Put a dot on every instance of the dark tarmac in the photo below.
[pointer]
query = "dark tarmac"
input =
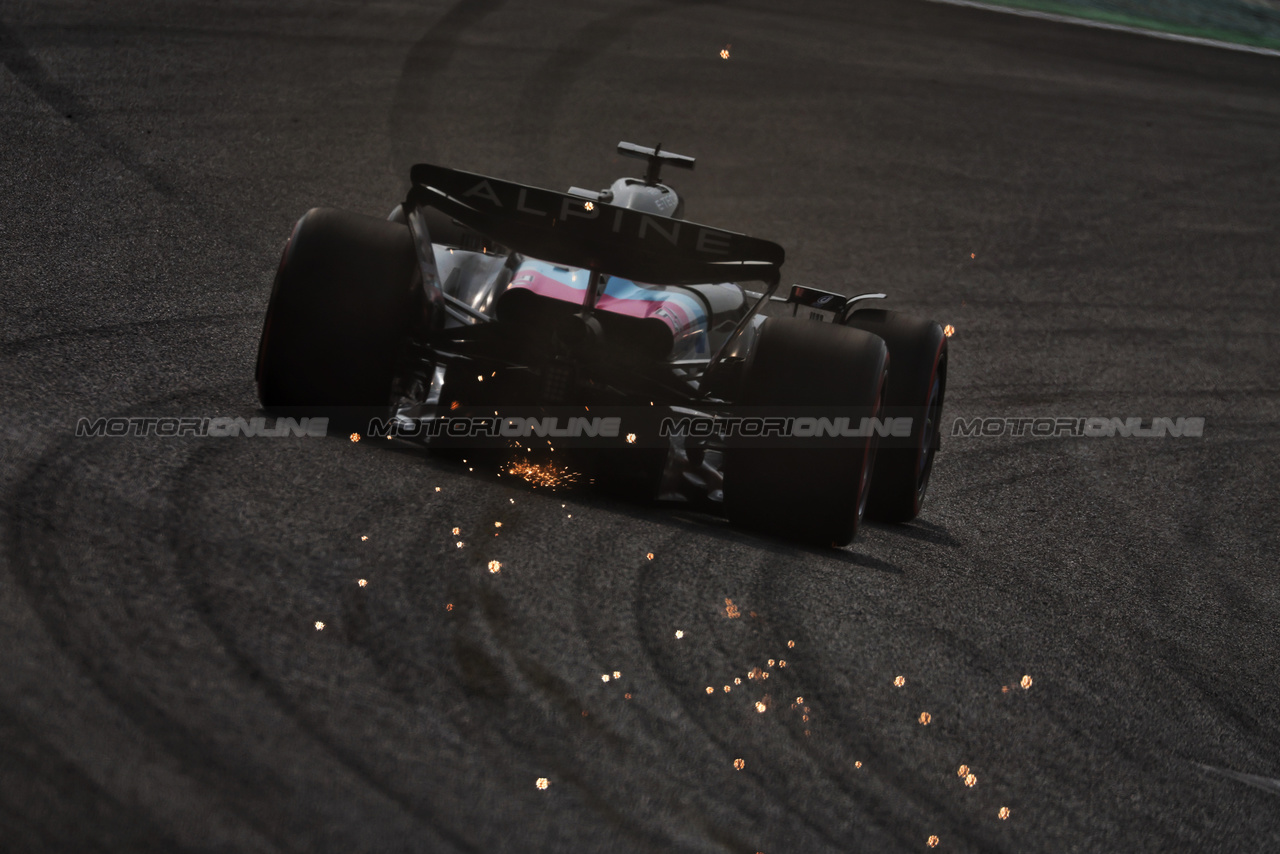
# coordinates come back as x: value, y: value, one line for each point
x: 1096, y: 214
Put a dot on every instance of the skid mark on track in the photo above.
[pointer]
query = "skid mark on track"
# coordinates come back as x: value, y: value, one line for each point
x: 63, y: 100
x: 68, y: 337
x: 92, y: 818
x: 183, y: 519
x: 547, y: 87
x: 41, y: 503
x: 411, y: 108
x: 1266, y: 784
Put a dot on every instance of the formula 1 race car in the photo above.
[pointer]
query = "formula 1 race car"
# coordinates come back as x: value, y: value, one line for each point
x: 603, y: 328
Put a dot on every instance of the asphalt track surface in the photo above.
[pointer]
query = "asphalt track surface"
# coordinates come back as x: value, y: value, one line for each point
x: 1096, y: 213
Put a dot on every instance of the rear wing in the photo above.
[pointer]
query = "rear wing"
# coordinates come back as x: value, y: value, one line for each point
x: 603, y: 238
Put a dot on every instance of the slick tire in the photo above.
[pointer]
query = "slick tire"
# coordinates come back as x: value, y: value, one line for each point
x: 917, y: 386
x: 340, y: 308
x: 813, y: 491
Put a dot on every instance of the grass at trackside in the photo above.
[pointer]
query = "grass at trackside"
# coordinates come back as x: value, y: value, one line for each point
x: 1096, y: 12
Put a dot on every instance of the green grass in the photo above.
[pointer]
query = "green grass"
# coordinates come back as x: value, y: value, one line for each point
x: 1098, y: 11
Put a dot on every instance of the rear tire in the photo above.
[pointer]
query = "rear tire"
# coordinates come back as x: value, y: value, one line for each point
x: 917, y: 386
x: 340, y: 308
x: 814, y: 493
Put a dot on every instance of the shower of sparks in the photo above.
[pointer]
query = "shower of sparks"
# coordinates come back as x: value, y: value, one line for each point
x: 948, y: 330
x: 932, y: 842
x: 970, y: 780
x: 1026, y: 682
x: 355, y: 437
x: 542, y: 783
x: 495, y: 567
x: 364, y: 582
x: 899, y: 681
x: 761, y: 707
x: 724, y: 51
x: 679, y: 634
x: 731, y: 610
x: 739, y: 764
x: 319, y: 626
x: 542, y: 474
x: 962, y: 771
x: 925, y: 718
x: 1003, y: 815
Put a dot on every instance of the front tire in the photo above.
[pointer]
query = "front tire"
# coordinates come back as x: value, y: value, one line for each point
x: 340, y: 308
x: 817, y: 492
